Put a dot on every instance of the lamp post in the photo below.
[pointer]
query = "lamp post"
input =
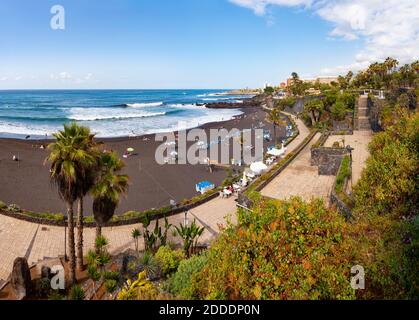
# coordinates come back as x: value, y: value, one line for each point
x: 186, y: 220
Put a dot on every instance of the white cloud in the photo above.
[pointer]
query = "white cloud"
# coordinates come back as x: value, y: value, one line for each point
x: 387, y: 28
x: 259, y: 6
x: 64, y: 76
x: 88, y: 76
x: 67, y: 77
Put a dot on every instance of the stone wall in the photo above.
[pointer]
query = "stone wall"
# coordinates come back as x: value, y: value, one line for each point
x: 327, y: 159
x: 340, y: 205
x: 344, y: 125
x: 336, y: 200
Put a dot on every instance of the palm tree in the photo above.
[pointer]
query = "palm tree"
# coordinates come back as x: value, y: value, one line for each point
x: 86, y: 183
x: 314, y: 108
x: 136, y: 234
x: 108, y: 189
x: 274, y: 116
x: 70, y: 164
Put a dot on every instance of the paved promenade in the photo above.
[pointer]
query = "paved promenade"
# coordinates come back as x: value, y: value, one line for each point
x: 359, y: 141
x: 300, y: 179
x: 36, y: 242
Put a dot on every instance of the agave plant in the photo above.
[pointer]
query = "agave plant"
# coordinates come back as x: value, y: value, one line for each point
x: 190, y: 236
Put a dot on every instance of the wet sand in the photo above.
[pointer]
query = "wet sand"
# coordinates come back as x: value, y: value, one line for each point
x: 27, y: 183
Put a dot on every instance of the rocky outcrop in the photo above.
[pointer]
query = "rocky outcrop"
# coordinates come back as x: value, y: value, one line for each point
x: 255, y: 102
x: 21, y: 278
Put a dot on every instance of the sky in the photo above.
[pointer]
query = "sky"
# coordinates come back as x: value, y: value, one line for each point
x: 188, y: 44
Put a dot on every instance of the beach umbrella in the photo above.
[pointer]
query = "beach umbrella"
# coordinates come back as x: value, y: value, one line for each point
x: 276, y: 152
x: 130, y: 150
x: 258, y: 167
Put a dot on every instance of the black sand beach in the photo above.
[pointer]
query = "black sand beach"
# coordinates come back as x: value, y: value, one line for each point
x: 26, y: 183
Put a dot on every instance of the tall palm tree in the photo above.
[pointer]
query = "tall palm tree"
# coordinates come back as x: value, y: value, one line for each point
x: 108, y: 189
x: 86, y: 182
x: 70, y: 164
x: 274, y: 116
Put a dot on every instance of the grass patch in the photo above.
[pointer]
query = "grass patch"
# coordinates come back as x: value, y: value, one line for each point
x: 344, y: 173
x: 46, y: 216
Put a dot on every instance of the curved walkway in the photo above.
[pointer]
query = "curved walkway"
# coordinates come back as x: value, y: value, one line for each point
x: 37, y: 242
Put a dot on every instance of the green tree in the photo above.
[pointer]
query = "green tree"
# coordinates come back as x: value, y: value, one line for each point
x: 314, y: 107
x: 274, y: 117
x: 136, y: 234
x: 403, y: 101
x: 269, y: 90
x: 71, y: 163
x: 86, y: 183
x: 109, y: 188
x: 339, y: 110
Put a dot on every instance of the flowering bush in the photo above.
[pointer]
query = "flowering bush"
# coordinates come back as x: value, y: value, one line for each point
x: 281, y: 250
x: 168, y: 259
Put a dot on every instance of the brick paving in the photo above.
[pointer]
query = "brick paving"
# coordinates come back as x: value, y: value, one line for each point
x: 19, y: 238
x: 359, y: 141
x: 300, y: 179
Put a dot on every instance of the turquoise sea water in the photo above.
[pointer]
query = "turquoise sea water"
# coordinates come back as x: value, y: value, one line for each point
x: 109, y: 113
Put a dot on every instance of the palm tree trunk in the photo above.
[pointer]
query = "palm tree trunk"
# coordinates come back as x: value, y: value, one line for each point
x: 80, y: 264
x: 98, y: 234
x: 275, y: 137
x: 71, y: 244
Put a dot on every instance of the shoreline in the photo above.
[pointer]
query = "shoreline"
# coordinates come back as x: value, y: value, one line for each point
x: 152, y: 186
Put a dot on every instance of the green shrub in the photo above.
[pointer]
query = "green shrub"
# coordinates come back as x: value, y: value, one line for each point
x: 185, y: 282
x: 56, y: 296
x: 168, y: 259
x: 111, y: 285
x: 42, y: 287
x: 77, y: 293
x: 46, y: 216
x: 338, y: 110
x: 282, y: 250
x: 344, y: 173
x: 14, y: 208
x: 386, y: 212
x: 110, y: 275
x: 2, y: 205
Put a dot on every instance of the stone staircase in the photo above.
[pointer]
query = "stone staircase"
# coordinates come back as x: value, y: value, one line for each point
x: 363, y: 119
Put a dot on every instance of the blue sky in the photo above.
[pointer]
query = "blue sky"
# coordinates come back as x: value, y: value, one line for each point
x: 168, y: 44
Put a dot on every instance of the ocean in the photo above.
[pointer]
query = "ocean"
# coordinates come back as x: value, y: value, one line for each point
x: 36, y: 114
